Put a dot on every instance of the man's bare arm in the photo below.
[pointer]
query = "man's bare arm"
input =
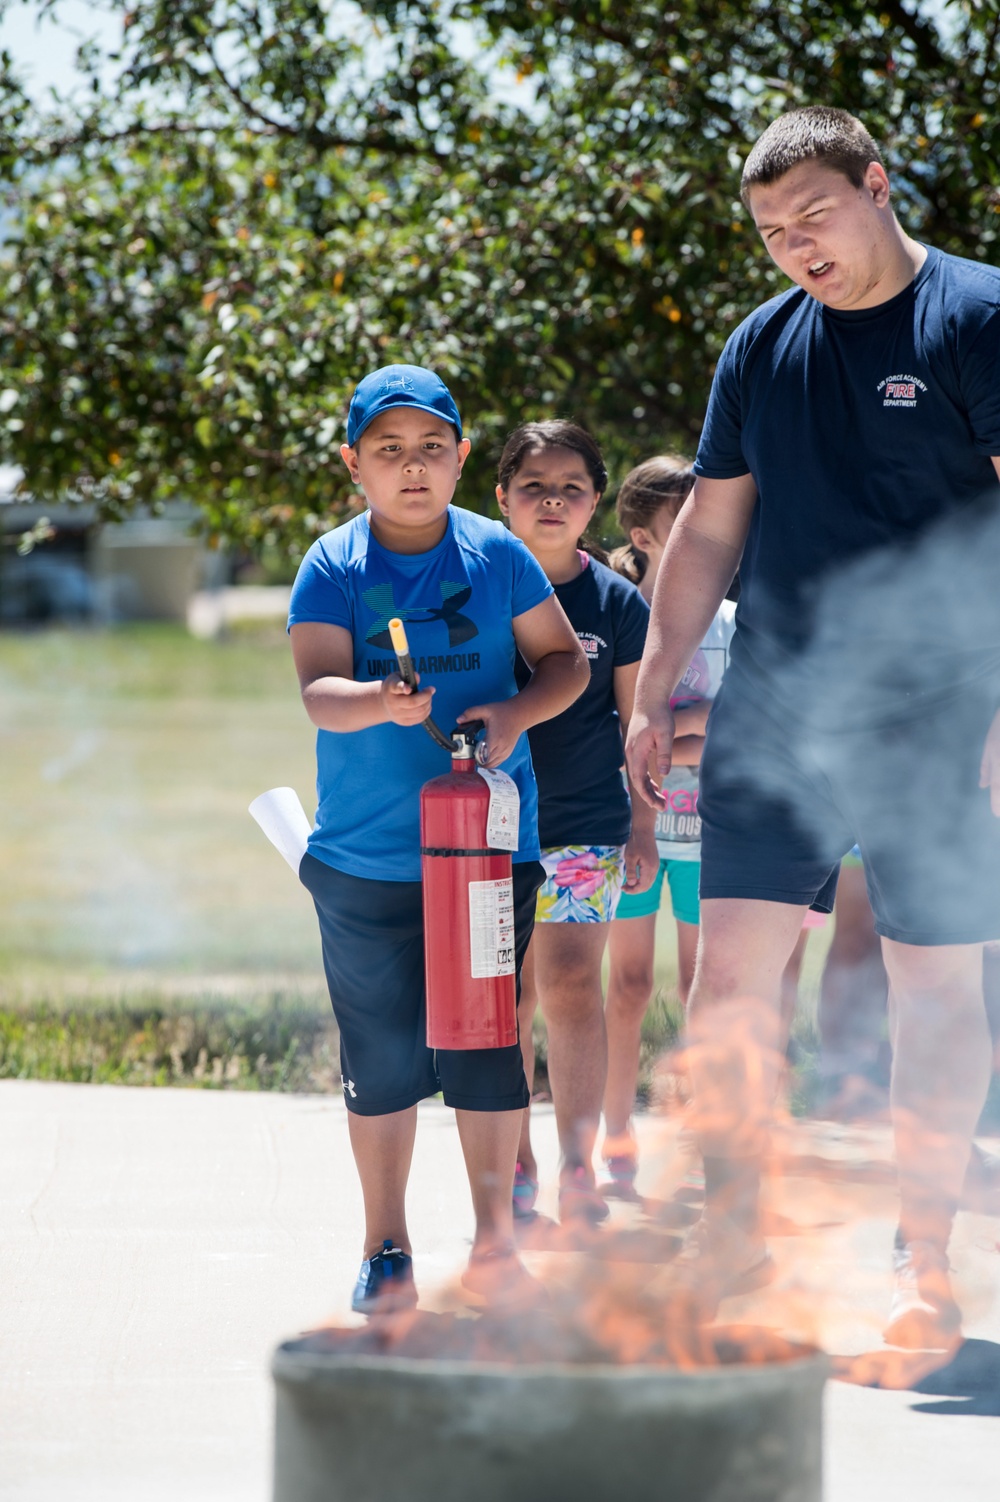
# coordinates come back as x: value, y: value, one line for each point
x: 702, y: 556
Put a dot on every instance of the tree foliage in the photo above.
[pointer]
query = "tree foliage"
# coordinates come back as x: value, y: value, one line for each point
x: 257, y: 201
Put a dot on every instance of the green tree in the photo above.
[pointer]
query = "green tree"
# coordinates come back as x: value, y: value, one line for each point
x: 270, y: 197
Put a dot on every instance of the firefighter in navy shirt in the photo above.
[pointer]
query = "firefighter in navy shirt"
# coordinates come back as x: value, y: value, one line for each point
x: 849, y: 459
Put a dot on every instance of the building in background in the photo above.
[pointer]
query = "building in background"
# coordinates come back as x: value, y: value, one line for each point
x: 84, y: 570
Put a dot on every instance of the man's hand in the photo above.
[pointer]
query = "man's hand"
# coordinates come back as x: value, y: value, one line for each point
x: 401, y: 704
x: 649, y: 744
x: 642, y: 861
x: 989, y: 767
x: 503, y: 723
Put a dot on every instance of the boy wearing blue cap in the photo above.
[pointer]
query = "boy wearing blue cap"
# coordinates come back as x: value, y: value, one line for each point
x: 469, y: 594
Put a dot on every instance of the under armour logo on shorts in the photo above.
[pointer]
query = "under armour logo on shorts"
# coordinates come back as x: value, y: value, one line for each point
x: 349, y: 1087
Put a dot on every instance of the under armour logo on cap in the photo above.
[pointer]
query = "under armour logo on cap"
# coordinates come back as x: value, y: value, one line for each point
x: 396, y: 383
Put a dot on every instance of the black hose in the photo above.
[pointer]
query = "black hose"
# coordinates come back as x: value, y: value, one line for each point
x: 437, y: 734
x: 408, y: 674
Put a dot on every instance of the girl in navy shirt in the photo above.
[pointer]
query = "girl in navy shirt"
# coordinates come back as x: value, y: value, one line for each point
x: 595, y: 841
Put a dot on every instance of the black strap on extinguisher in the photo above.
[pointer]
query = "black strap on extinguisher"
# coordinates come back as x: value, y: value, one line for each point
x: 440, y: 850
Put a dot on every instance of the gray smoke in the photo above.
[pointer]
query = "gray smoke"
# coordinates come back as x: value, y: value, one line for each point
x: 891, y: 697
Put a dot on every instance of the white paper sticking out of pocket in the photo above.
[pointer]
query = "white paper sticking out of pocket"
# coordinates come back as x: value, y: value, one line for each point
x: 505, y: 809
x: 283, y: 819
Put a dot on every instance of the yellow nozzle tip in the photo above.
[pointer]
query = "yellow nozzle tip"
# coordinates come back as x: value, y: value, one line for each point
x: 397, y: 634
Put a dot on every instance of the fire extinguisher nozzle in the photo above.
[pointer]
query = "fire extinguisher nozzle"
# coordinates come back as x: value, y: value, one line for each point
x: 397, y: 635
x: 401, y: 647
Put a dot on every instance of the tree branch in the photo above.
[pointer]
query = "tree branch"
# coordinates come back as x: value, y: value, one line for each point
x: 921, y: 35
x: 274, y: 127
x: 624, y: 39
x: 323, y: 140
x: 313, y: 134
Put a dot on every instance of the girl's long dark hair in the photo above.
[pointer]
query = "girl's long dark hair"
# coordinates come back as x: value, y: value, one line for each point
x: 562, y: 434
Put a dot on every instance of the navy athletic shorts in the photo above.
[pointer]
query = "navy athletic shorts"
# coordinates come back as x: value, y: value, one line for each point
x: 782, y: 803
x: 373, y: 954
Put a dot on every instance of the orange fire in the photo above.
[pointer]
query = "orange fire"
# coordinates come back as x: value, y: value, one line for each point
x: 609, y: 1295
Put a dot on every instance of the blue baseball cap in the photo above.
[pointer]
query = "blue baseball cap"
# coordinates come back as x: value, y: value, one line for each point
x: 399, y: 386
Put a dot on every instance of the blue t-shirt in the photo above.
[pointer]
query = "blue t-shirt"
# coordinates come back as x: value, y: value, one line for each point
x: 578, y: 755
x: 868, y: 434
x: 457, y: 603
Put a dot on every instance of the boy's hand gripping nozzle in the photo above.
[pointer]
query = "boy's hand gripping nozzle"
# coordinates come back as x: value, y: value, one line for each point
x: 401, y: 647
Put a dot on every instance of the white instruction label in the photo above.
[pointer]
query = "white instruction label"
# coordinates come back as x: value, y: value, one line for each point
x: 491, y: 927
x: 505, y: 809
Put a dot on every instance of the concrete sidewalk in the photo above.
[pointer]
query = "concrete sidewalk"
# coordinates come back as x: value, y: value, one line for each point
x: 155, y: 1246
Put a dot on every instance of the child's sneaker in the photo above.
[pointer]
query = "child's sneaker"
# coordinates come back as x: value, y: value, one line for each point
x: 621, y: 1178
x: 385, y: 1282
x: 579, y: 1200
x: 525, y: 1194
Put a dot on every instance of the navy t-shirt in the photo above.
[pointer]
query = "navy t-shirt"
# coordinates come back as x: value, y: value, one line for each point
x: 872, y: 551
x: 578, y: 755
x: 458, y: 602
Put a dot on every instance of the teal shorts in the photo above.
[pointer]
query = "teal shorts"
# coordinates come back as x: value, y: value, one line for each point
x: 682, y: 878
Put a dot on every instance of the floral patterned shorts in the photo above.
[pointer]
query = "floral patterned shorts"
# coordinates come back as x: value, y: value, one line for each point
x: 582, y: 884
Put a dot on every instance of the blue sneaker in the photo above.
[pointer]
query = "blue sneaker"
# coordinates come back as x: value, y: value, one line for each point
x: 385, y: 1282
x: 525, y: 1194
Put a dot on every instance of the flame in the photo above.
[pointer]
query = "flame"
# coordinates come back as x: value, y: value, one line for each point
x: 605, y: 1333
x: 611, y: 1295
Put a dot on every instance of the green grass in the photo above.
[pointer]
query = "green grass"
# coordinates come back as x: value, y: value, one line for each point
x: 130, y: 863
x: 148, y: 931
x: 278, y: 1046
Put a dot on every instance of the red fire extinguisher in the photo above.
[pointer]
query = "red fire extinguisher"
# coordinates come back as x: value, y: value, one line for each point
x: 468, y: 911
x: 468, y: 899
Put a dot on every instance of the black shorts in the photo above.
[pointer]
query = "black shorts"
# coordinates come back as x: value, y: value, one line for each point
x: 781, y: 804
x: 373, y: 953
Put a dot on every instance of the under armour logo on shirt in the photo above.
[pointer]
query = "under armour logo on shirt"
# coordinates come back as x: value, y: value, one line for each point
x: 380, y: 599
x: 349, y: 1087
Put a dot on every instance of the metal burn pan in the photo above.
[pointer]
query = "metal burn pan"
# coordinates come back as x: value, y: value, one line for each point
x: 352, y: 1427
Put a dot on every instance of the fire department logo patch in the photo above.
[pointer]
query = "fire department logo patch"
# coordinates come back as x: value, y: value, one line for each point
x: 900, y: 390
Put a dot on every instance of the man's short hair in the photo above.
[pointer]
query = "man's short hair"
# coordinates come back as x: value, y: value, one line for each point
x: 814, y: 134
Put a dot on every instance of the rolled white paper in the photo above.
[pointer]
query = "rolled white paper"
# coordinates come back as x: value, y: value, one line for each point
x: 283, y: 819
